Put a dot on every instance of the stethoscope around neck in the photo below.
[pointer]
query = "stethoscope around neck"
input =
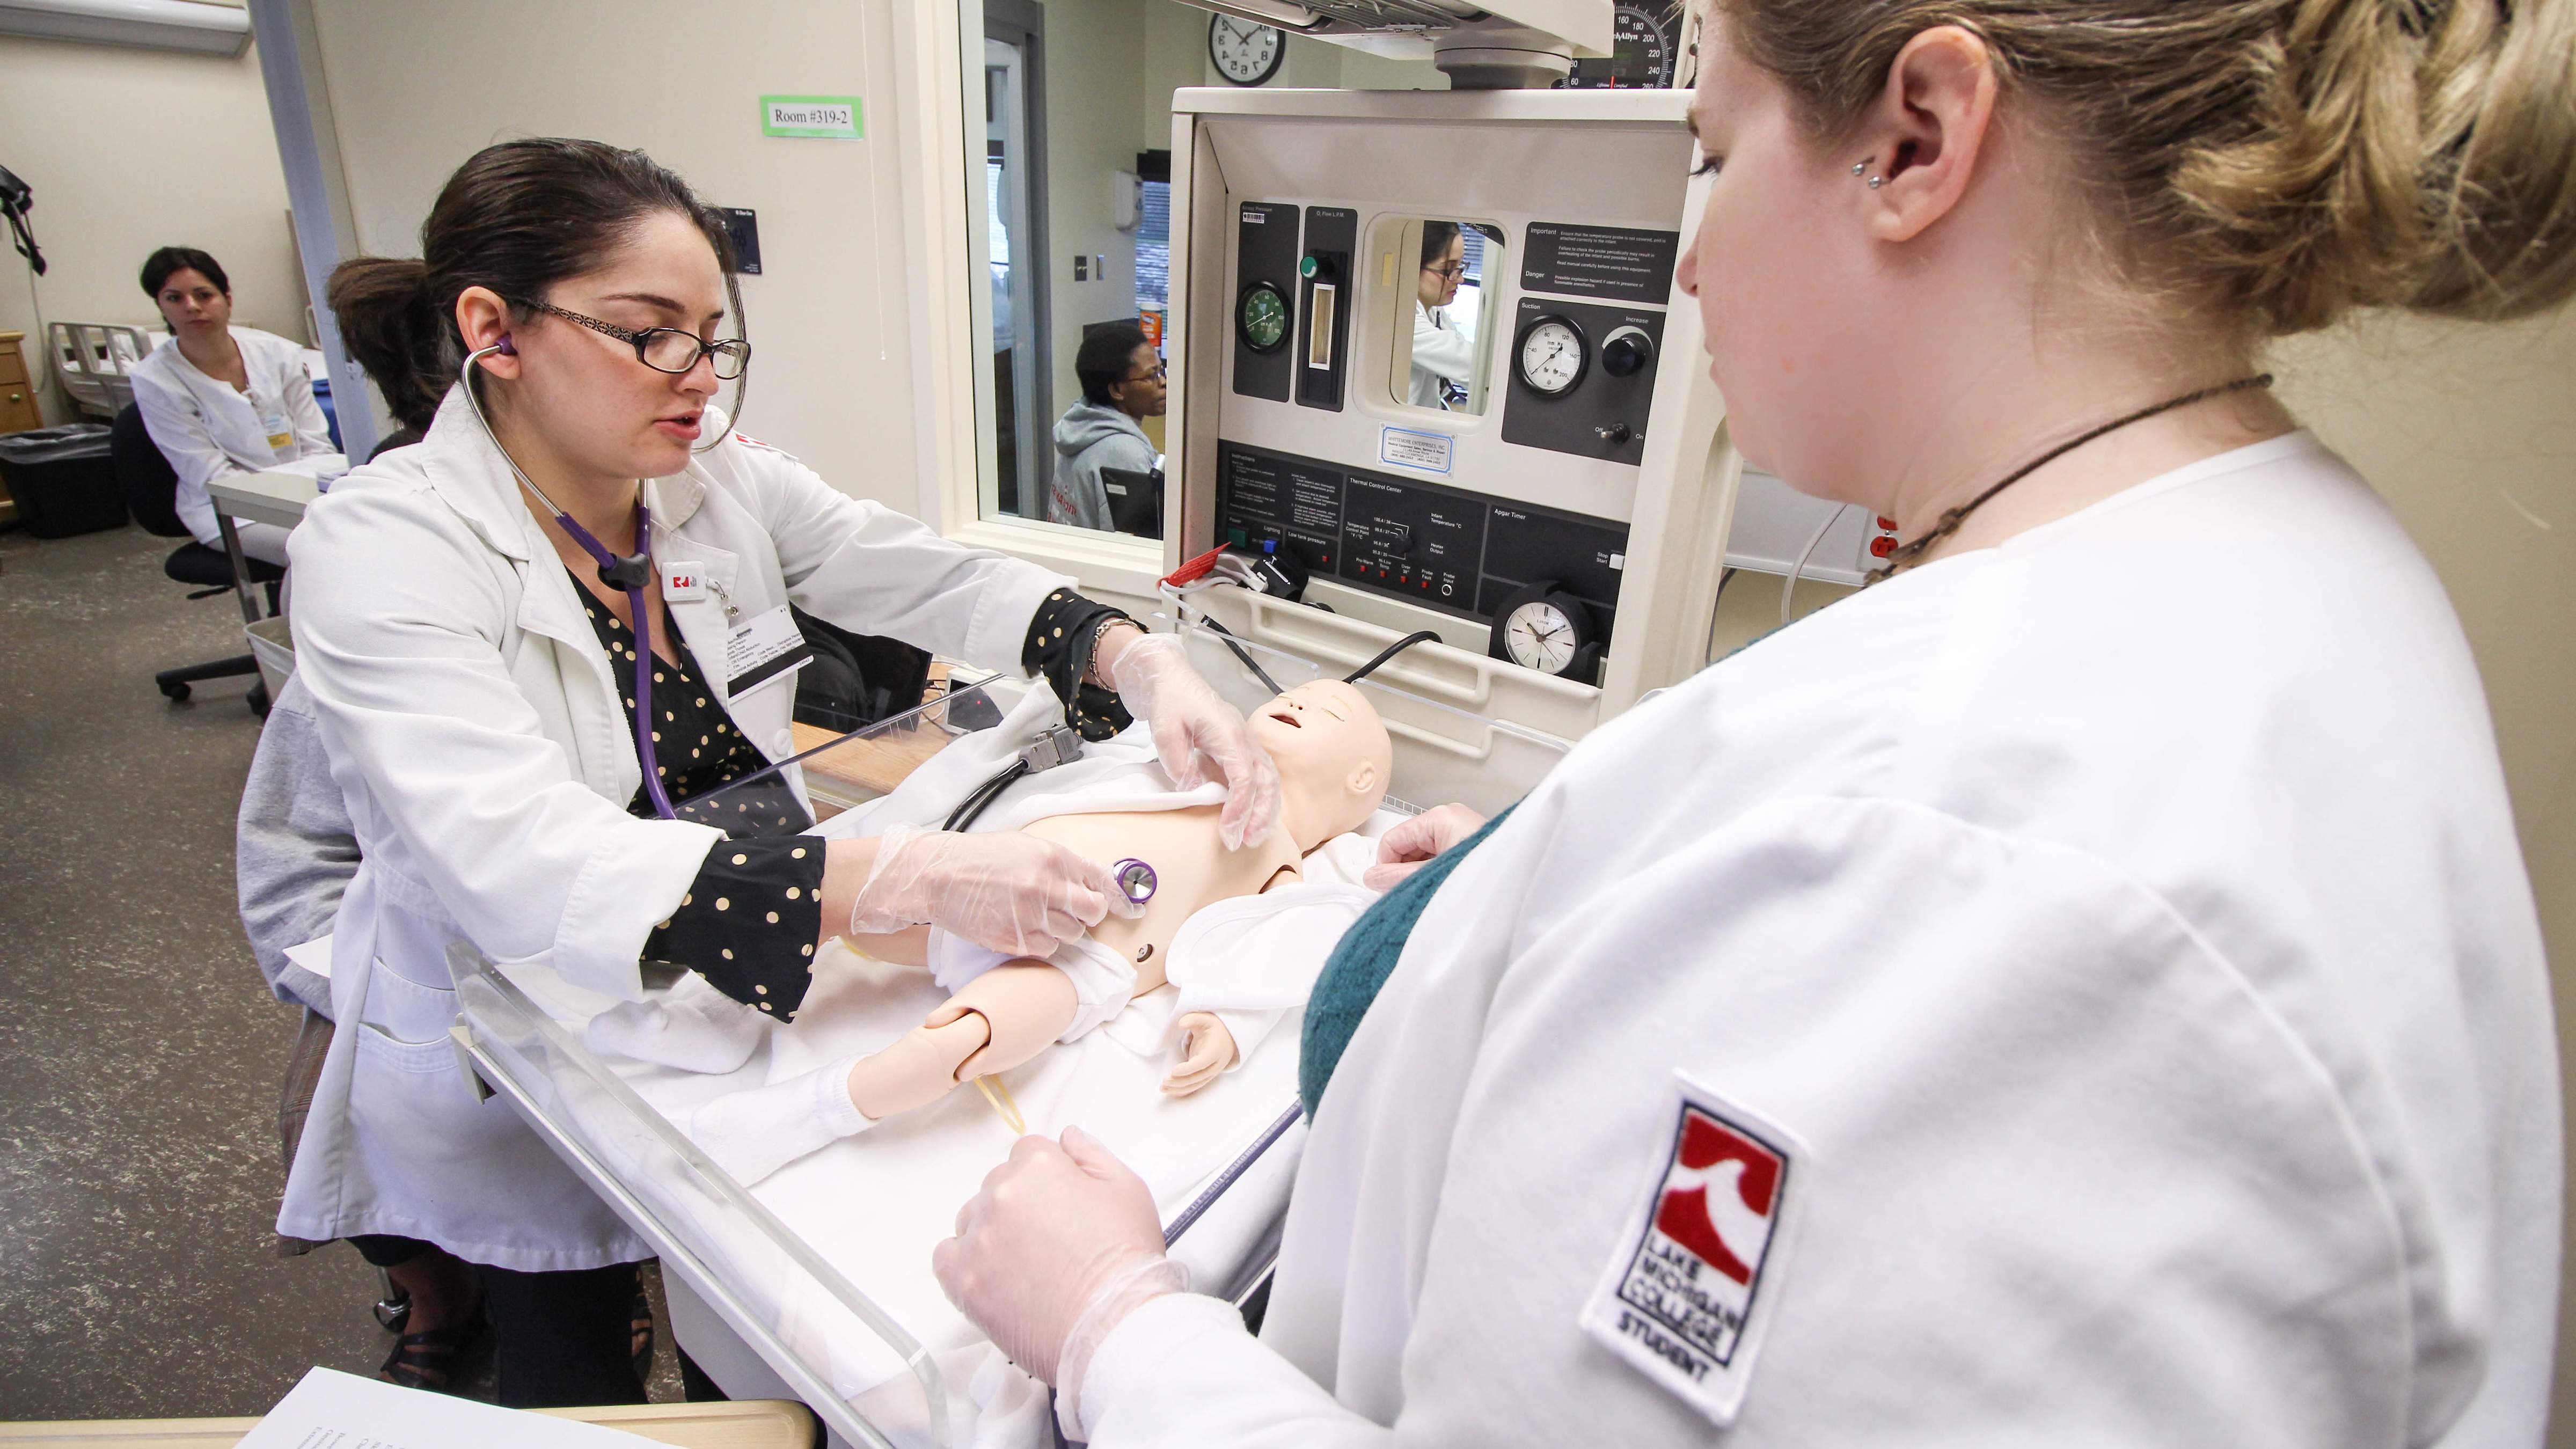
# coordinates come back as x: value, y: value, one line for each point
x: 629, y: 572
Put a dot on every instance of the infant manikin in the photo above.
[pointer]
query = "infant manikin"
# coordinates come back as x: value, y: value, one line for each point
x: 1333, y: 756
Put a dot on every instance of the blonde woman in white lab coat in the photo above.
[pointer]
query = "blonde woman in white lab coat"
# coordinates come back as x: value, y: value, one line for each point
x: 474, y: 682
x: 221, y: 399
x: 2082, y: 990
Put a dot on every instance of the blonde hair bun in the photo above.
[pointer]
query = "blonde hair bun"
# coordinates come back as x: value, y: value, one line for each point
x: 2284, y: 161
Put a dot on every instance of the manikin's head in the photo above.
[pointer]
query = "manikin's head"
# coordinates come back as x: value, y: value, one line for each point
x: 1333, y: 756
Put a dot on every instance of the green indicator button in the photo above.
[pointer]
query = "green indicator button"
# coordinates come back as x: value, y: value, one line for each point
x: 1306, y: 269
x: 1238, y: 538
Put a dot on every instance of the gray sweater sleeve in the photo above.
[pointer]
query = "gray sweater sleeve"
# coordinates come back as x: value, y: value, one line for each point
x: 294, y: 849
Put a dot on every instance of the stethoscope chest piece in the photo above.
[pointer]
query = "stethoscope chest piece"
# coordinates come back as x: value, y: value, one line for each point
x: 1136, y: 880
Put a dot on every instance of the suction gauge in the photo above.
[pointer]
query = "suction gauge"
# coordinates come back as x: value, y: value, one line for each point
x: 1261, y: 317
x: 1553, y: 356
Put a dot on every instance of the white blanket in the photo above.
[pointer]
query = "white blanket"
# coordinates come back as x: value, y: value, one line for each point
x: 874, y: 1205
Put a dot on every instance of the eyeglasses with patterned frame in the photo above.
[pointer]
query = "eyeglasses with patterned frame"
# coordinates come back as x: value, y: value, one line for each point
x: 665, y: 349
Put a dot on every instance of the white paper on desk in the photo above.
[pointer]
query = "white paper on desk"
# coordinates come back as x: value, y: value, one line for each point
x: 333, y: 1410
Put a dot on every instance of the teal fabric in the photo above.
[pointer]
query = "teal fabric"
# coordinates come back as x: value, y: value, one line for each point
x: 1359, y: 966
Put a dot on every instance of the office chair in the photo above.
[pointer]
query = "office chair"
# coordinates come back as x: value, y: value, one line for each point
x: 151, y: 492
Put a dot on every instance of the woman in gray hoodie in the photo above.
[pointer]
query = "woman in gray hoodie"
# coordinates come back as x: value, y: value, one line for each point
x: 1122, y: 381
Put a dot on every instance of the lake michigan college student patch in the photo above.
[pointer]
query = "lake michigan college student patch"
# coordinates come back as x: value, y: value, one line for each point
x: 1694, y: 1279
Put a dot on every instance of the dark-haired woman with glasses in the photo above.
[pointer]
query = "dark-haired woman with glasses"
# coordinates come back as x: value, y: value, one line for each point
x: 522, y: 639
x: 1443, y: 356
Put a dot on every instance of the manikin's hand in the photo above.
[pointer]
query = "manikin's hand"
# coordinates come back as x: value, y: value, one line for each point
x: 1061, y: 1243
x: 1004, y: 891
x: 1207, y: 1049
x: 1194, y: 731
x: 1415, y: 843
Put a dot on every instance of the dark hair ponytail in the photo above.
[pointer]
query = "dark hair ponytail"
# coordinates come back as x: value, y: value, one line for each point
x: 517, y: 218
x: 387, y: 326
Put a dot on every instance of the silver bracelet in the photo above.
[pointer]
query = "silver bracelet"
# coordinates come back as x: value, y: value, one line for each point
x: 1091, y: 671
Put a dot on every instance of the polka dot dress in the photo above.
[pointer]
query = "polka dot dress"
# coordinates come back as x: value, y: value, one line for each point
x: 749, y: 920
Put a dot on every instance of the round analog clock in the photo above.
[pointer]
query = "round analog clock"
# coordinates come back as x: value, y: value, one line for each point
x: 1245, y: 53
x: 1552, y: 356
x: 1544, y: 628
x: 1261, y: 317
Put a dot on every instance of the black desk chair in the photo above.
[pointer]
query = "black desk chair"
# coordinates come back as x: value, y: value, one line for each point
x: 151, y: 492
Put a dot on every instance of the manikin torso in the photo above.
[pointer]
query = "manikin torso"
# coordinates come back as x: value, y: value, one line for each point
x: 1192, y: 868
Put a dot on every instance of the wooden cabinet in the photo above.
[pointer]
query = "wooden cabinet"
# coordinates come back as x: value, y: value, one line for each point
x: 18, y: 410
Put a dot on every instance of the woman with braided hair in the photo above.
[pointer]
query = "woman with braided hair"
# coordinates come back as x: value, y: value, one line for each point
x: 2083, y: 989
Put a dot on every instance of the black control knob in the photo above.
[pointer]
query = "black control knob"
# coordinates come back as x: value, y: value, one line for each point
x: 1626, y: 350
x: 1614, y: 434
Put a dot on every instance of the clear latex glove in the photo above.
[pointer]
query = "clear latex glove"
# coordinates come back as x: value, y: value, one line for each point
x: 1412, y: 844
x: 1196, y: 732
x: 1061, y: 1243
x: 1003, y: 891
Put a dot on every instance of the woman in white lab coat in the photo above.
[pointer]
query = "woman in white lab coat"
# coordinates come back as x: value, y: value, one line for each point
x: 1443, y: 355
x: 2083, y: 989
x: 483, y: 694
x: 221, y: 399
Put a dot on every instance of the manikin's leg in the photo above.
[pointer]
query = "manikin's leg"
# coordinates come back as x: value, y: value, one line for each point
x: 999, y: 1020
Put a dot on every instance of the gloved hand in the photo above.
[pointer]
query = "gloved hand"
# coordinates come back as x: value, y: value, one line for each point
x: 1060, y: 1244
x: 1412, y: 844
x: 1153, y: 677
x: 1004, y: 891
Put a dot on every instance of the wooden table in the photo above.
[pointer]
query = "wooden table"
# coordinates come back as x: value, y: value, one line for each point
x: 758, y: 1424
x: 18, y: 410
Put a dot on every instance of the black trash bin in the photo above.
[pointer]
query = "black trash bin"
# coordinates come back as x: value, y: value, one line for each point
x: 63, y: 479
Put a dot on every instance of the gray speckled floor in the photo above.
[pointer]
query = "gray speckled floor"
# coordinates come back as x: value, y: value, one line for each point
x: 139, y: 1052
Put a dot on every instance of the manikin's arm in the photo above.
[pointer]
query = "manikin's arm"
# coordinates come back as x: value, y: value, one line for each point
x: 999, y: 1020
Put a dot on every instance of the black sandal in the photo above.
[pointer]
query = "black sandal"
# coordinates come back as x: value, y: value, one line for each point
x: 430, y: 1360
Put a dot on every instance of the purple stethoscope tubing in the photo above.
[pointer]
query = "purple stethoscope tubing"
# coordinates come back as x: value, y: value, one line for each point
x: 630, y: 573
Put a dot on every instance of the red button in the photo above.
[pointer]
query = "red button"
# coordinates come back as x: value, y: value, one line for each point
x: 1888, y: 523
x: 1882, y: 546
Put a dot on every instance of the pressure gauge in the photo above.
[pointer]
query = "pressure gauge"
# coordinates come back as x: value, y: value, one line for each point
x: 1641, y: 50
x: 1542, y: 627
x: 1553, y: 356
x: 1261, y: 316
x: 1245, y: 53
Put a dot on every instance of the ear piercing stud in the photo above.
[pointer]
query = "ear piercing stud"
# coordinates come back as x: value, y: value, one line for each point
x: 1862, y: 167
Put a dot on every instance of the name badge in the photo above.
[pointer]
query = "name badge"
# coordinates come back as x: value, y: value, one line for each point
x: 684, y: 582
x: 761, y: 648
x: 281, y: 433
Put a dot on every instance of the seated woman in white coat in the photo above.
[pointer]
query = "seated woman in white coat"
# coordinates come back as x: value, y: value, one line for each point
x: 221, y: 399
x: 533, y: 636
x: 2082, y: 989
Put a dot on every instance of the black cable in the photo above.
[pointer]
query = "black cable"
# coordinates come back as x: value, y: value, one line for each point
x: 974, y: 805
x: 1228, y: 635
x: 1421, y: 636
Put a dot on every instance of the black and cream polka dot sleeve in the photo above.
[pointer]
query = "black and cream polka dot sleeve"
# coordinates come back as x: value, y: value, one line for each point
x: 749, y: 921
x: 1059, y: 651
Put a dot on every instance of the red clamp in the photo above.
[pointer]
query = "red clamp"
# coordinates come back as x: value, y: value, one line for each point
x: 1195, y: 570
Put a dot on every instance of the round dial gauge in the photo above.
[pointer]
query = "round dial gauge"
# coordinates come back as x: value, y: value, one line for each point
x: 1553, y: 356
x: 1539, y: 636
x: 1245, y: 53
x: 1641, y: 51
x: 1261, y: 317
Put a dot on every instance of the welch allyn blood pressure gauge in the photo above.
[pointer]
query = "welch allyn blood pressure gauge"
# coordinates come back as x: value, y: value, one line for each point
x: 1135, y: 880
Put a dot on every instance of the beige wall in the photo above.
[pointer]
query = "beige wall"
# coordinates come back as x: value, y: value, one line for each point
x: 129, y: 150
x: 2470, y: 433
x: 417, y: 88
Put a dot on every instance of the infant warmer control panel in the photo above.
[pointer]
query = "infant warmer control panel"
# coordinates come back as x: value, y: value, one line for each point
x: 1423, y: 354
